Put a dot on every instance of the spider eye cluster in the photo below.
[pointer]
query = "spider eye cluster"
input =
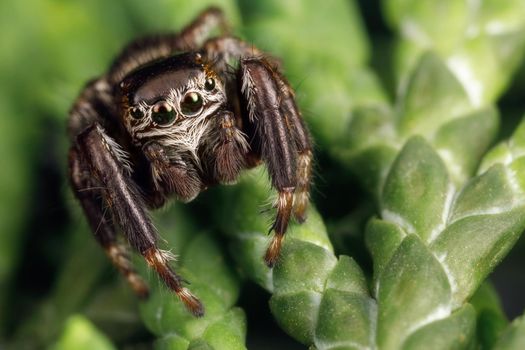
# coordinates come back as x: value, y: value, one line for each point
x: 163, y: 113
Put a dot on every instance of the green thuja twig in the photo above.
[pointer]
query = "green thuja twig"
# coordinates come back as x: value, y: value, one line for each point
x: 317, y: 298
x: 202, y: 262
x: 431, y: 103
x: 439, y: 234
x: 432, y: 247
x: 431, y: 253
x: 482, y: 42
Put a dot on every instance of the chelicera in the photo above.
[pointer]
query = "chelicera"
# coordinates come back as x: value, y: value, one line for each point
x: 175, y: 114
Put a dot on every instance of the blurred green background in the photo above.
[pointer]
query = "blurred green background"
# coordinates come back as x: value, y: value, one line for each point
x: 337, y: 54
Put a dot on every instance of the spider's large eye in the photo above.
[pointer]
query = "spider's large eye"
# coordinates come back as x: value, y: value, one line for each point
x: 163, y: 113
x: 191, y: 104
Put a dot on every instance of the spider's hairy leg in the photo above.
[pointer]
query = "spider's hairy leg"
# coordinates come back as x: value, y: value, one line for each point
x: 210, y: 19
x: 153, y: 47
x: 303, y: 143
x: 169, y: 176
x: 89, y: 194
x: 121, y: 196
x: 284, y: 210
x: 276, y: 139
x: 302, y: 192
x: 227, y: 149
x: 225, y: 49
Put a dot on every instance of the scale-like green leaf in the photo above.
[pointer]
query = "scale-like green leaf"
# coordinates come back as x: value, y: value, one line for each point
x: 433, y: 97
x: 413, y: 290
x: 454, y: 332
x: 463, y: 141
x: 302, y: 259
x: 507, y: 152
x: 471, y: 247
x: 482, y: 42
x: 422, y: 279
x: 346, y: 311
x: 347, y: 276
x: 422, y: 21
x: 345, y: 320
x: 513, y: 338
x: 296, y: 313
x: 369, y: 125
x: 382, y: 239
x: 490, y: 193
x: 432, y: 104
x: 416, y: 193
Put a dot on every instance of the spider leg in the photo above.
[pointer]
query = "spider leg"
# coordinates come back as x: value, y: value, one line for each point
x: 88, y: 193
x: 170, y: 176
x: 283, y: 139
x: 275, y: 128
x: 194, y: 34
x: 303, y: 144
x: 152, y: 47
x: 100, y: 154
x: 225, y: 150
x: 224, y: 51
x: 231, y: 148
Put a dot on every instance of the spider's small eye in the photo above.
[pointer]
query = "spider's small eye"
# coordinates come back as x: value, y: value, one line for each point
x: 209, y: 84
x: 163, y: 113
x: 136, y: 113
x: 191, y: 104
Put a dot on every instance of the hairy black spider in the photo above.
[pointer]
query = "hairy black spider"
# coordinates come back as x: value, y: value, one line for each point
x: 174, y: 114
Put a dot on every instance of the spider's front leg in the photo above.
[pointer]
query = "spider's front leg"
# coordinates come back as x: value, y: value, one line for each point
x: 153, y: 47
x: 281, y: 138
x: 88, y: 193
x: 96, y: 153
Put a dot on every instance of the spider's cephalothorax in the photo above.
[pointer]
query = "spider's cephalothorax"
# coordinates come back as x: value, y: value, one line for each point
x: 177, y: 113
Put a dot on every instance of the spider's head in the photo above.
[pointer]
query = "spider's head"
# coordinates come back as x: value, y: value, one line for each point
x: 169, y: 96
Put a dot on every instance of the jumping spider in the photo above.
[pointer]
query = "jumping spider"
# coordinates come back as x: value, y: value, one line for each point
x: 174, y: 114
